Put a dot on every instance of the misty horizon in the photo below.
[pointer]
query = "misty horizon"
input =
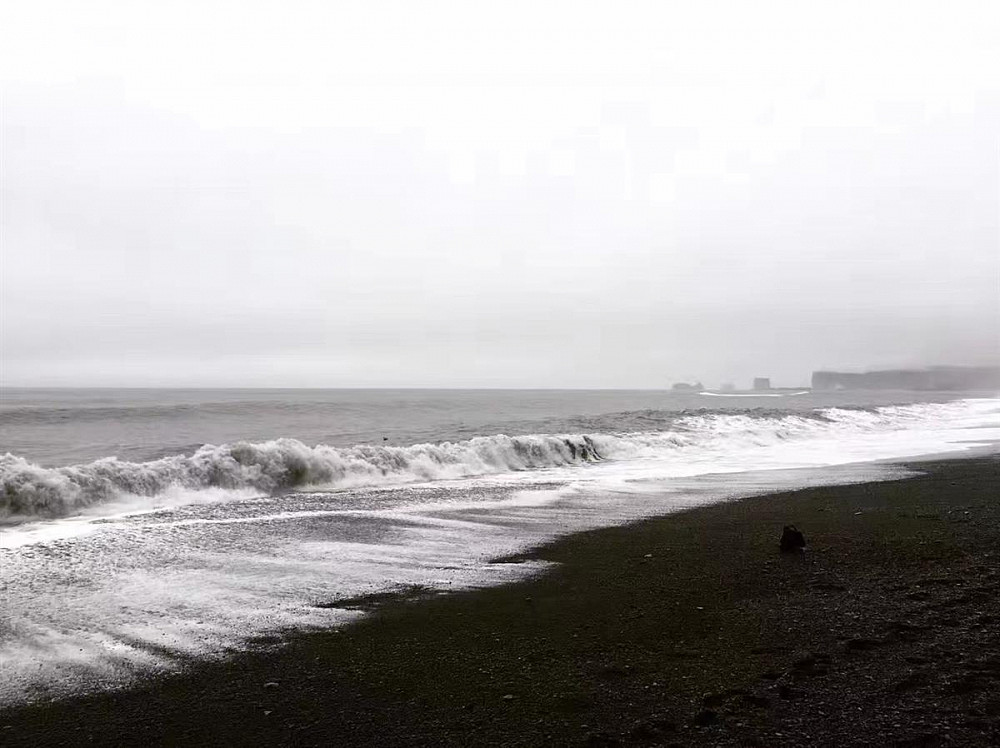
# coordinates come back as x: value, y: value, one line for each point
x: 738, y: 385
x: 525, y: 197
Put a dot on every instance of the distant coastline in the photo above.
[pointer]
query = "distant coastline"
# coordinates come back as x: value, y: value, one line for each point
x: 934, y: 379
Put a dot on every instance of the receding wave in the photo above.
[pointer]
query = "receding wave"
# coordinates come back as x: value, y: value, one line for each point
x: 28, y: 490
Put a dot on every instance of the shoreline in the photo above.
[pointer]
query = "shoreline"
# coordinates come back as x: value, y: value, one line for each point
x: 684, y: 629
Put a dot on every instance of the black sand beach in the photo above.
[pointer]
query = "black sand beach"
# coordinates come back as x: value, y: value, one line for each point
x: 686, y: 630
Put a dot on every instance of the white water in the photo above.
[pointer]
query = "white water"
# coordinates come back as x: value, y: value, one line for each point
x: 188, y: 566
x: 754, y: 394
x: 30, y: 491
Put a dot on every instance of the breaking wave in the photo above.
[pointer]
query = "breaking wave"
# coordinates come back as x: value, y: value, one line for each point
x: 28, y: 490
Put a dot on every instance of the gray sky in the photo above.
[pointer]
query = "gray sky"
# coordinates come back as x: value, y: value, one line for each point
x: 496, y: 194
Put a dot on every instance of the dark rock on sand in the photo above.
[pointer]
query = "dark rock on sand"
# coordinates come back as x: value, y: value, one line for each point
x: 792, y: 540
x: 706, y: 717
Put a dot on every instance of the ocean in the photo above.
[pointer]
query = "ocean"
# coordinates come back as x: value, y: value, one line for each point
x: 140, y: 528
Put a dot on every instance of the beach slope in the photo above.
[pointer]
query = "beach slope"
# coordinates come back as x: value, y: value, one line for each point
x: 690, y: 629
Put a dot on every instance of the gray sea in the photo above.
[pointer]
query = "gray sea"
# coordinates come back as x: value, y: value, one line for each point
x: 142, y: 527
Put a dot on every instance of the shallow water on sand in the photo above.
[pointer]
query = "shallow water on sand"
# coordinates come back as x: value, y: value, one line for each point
x: 125, y: 584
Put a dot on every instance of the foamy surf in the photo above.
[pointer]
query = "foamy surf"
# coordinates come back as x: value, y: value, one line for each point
x: 30, y: 491
x: 199, y: 568
x: 754, y: 394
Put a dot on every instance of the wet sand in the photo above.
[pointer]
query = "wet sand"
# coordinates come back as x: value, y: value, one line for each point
x: 690, y: 629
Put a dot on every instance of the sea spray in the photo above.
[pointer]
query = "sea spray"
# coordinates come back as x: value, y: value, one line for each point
x: 197, y: 568
x: 28, y: 490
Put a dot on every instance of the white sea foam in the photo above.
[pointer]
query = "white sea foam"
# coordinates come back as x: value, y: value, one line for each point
x: 29, y: 490
x: 754, y: 394
x: 120, y: 588
x: 234, y: 471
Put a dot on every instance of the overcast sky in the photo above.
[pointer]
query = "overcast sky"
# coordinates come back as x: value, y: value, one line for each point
x: 496, y: 194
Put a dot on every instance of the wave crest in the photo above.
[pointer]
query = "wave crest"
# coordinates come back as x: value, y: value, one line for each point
x: 30, y: 490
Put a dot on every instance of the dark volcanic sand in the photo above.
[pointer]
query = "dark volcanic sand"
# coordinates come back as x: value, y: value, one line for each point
x: 686, y: 630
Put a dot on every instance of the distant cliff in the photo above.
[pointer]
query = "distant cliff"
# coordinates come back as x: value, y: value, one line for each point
x: 934, y: 378
x: 696, y: 387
